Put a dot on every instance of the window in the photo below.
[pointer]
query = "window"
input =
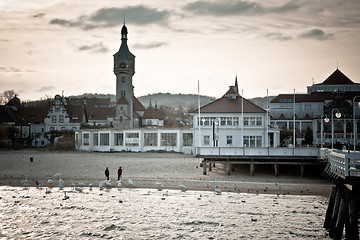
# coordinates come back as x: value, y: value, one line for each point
x: 61, y: 119
x: 236, y: 121
x: 118, y: 139
x: 168, y: 139
x: 96, y: 139
x: 150, y: 139
x: 104, y: 139
x: 122, y: 79
x: 228, y: 140
x: 187, y: 139
x: 258, y: 121
x: 229, y: 121
x: 252, y: 141
x: 132, y: 139
x: 86, y: 138
x: 252, y: 121
x: 223, y: 121
x: 53, y: 119
x: 206, y: 140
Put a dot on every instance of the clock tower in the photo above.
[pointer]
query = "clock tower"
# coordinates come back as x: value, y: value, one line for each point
x: 124, y: 69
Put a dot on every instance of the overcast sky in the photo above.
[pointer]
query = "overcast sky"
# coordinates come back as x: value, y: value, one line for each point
x: 47, y: 47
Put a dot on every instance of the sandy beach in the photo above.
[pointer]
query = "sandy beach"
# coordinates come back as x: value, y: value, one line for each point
x: 146, y: 169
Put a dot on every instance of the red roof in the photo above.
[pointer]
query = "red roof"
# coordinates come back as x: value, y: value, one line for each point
x: 228, y: 105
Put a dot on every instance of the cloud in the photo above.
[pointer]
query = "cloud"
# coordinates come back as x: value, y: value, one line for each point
x: 13, y: 70
x: 95, y: 48
x: 38, y: 15
x: 278, y: 36
x: 317, y: 34
x: 149, y: 45
x: 45, y: 88
x: 112, y: 17
x: 237, y: 7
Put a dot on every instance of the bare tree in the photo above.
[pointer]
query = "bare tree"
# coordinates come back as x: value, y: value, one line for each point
x: 6, y: 96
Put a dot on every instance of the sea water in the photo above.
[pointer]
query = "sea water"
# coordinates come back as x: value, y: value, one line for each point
x: 131, y: 213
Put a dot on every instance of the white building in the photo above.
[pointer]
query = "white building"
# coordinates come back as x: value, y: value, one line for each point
x: 337, y: 92
x: 233, y: 122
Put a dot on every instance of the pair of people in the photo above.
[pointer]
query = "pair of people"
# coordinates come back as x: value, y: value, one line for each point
x: 107, y: 173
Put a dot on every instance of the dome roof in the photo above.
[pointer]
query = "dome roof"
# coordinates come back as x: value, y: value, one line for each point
x: 124, y: 30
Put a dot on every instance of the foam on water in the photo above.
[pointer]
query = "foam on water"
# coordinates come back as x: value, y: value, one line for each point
x: 151, y: 214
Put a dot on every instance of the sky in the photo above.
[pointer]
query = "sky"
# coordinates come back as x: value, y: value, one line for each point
x: 47, y: 47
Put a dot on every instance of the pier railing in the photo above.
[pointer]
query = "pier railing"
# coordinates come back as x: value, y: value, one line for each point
x: 342, y: 163
x: 269, y: 152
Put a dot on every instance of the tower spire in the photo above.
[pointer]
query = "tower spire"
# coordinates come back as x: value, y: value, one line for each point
x: 236, y: 83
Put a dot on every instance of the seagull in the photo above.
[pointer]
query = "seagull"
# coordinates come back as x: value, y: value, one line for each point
x: 182, y: 187
x: 101, y: 185
x: 65, y: 197
x: 81, y: 184
x: 50, y: 182
x: 61, y: 185
x: 47, y: 191
x: 108, y: 184
x: 25, y: 183
x: 79, y: 189
x: 57, y: 175
x: 159, y: 185
x: 119, y: 183
x: 218, y: 191
x: 130, y: 182
x: 90, y: 186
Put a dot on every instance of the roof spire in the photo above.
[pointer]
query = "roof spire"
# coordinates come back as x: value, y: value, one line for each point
x: 236, y: 83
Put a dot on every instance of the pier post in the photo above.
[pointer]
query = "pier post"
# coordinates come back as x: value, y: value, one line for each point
x: 228, y: 168
x: 276, y: 167
x: 330, y: 208
x: 209, y: 167
x: 302, y: 168
x: 233, y: 167
x: 339, y: 227
x: 252, y: 168
x: 353, y: 226
x: 335, y: 211
x: 204, y: 168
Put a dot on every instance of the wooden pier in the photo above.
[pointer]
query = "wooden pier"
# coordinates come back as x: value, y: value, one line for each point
x: 344, y: 200
x: 252, y: 161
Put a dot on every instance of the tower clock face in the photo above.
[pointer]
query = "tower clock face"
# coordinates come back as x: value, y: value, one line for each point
x: 123, y: 65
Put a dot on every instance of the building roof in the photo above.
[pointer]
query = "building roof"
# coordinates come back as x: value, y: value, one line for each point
x: 8, y: 114
x: 153, y: 113
x: 137, y: 105
x: 122, y: 100
x: 98, y: 113
x: 337, y: 78
x: 228, y: 105
x: 33, y: 114
x: 312, y: 97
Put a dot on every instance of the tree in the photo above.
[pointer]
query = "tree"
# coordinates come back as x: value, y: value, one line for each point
x: 308, y: 136
x: 6, y: 96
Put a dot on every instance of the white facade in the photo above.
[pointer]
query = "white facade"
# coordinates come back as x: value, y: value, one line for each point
x: 58, y: 117
x: 234, y: 130
x: 135, y: 140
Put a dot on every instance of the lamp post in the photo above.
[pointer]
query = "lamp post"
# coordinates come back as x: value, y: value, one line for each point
x: 322, y: 129
x: 337, y: 115
x: 354, y: 121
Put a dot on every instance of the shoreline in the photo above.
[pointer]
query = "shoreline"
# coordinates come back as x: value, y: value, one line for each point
x: 146, y: 169
x: 253, y: 187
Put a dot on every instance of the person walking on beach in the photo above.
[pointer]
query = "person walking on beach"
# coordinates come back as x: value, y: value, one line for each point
x: 107, y: 173
x: 119, y: 173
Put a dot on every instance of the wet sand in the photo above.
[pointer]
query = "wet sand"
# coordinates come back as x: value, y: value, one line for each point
x: 146, y: 169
